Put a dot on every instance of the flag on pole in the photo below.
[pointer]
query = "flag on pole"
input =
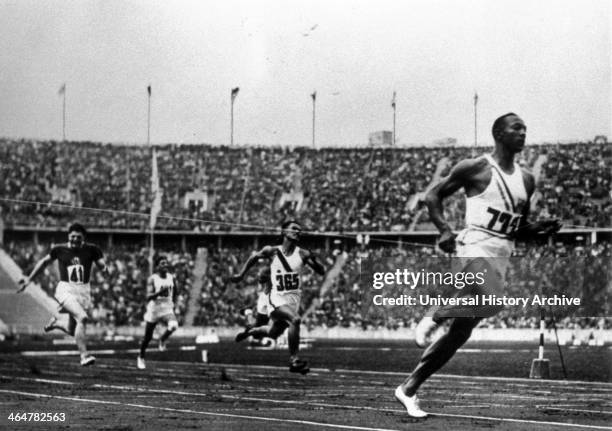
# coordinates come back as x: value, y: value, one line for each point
x: 235, y: 93
x: 62, y: 89
x: 149, y: 90
x: 157, y: 192
x: 393, y: 101
x: 314, y: 96
x: 475, y: 98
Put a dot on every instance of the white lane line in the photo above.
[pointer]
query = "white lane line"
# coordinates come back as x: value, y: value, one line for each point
x: 196, y: 412
x: 606, y: 386
x: 438, y: 376
x: 338, y: 406
x: 496, y: 350
x: 563, y: 383
x: 565, y: 409
x: 37, y: 353
x: 465, y: 350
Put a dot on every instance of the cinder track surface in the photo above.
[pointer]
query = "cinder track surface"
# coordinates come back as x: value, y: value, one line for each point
x: 350, y: 387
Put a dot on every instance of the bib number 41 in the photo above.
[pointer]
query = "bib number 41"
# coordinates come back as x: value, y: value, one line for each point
x: 76, y: 274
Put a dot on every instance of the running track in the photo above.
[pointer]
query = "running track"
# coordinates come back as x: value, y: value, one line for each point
x: 113, y: 395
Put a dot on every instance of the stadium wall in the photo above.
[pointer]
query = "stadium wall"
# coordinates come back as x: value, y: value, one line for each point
x: 191, y: 240
x: 566, y: 336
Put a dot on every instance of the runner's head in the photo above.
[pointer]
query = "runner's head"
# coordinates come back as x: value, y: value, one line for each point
x: 263, y: 276
x: 76, y: 235
x: 161, y: 264
x: 291, y: 230
x: 509, y: 130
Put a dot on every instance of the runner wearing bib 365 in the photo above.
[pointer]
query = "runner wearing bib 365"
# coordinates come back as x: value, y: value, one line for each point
x: 287, y: 261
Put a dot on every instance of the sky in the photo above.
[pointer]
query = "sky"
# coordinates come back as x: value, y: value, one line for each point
x: 548, y: 61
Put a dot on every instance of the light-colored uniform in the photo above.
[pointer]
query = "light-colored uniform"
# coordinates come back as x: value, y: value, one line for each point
x: 80, y: 292
x: 263, y: 300
x: 492, y: 216
x: 162, y: 307
x: 285, y: 273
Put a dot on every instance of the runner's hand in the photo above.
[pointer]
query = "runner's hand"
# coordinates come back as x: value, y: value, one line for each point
x: 23, y: 283
x: 547, y: 227
x: 447, y: 241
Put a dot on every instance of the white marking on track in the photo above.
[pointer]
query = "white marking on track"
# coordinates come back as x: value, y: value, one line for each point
x: 36, y: 353
x: 196, y: 412
x: 562, y: 383
x: 565, y: 409
x: 469, y: 350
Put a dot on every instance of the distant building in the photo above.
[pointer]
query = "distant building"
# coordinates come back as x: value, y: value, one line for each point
x: 445, y: 142
x: 381, y: 139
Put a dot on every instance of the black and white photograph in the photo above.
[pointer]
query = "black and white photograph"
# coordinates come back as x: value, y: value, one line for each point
x: 306, y: 215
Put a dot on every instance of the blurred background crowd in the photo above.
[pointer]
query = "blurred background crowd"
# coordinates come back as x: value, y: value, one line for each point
x: 211, y: 188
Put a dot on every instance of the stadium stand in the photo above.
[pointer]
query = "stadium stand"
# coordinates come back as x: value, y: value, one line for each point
x: 366, y: 189
x: 213, y: 189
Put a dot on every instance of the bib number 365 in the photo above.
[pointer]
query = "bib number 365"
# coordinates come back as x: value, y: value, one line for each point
x: 288, y: 281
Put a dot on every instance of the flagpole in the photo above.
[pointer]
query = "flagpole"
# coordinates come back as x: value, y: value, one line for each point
x: 151, y: 228
x: 149, y: 117
x: 64, y: 114
x: 233, y: 95
x: 475, y: 119
x: 314, y: 103
x: 393, y: 105
x: 232, y: 121
x: 394, y: 124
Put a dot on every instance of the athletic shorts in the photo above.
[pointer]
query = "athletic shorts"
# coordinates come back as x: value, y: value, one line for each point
x: 290, y: 299
x: 81, y: 293
x: 263, y: 303
x: 159, y: 313
x: 473, y: 243
x: 479, y: 252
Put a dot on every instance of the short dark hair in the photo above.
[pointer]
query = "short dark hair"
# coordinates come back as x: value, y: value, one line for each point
x: 77, y: 227
x: 498, y: 124
x: 288, y: 223
x: 159, y: 258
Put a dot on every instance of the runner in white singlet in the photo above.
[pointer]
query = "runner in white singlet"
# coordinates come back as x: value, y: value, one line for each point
x: 161, y: 295
x: 497, y: 204
x: 287, y: 262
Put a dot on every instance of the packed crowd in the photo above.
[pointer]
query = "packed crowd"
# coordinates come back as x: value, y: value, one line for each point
x: 118, y: 299
x: 574, y: 271
x: 365, y: 189
x: 582, y: 271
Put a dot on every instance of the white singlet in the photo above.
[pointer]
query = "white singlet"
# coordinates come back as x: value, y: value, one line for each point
x: 285, y: 273
x: 162, y: 306
x: 492, y: 216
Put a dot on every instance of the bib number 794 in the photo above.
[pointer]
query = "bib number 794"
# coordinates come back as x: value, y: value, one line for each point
x: 503, y: 222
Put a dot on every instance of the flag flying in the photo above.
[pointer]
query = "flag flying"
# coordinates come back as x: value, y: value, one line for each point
x: 393, y: 101
x: 235, y: 93
x: 62, y: 89
x: 314, y: 96
x: 156, y: 190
